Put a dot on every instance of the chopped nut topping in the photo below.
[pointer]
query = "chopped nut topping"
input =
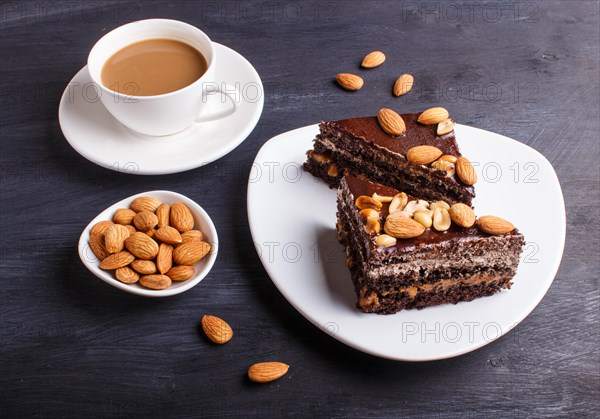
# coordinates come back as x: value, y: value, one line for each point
x: 424, y: 217
x: 398, y: 202
x: 373, y: 226
x: 364, y: 201
x: 385, y: 240
x: 382, y: 198
x: 444, y: 166
x: 369, y: 213
x: 439, y: 204
x: 333, y: 170
x: 441, y: 219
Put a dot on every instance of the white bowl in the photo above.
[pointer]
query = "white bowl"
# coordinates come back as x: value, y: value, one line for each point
x: 201, y: 222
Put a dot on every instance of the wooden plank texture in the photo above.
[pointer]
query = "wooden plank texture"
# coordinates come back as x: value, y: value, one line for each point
x: 72, y: 347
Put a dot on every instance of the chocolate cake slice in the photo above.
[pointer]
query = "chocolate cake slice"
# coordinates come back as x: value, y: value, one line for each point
x: 360, y: 147
x: 406, y: 253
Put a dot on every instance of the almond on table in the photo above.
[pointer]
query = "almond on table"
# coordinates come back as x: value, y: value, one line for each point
x: 373, y: 59
x: 216, y: 329
x: 265, y: 372
x: 349, y: 81
x: 403, y: 84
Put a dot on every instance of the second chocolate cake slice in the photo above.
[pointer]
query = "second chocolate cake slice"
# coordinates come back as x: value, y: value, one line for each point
x: 360, y: 147
x: 405, y: 252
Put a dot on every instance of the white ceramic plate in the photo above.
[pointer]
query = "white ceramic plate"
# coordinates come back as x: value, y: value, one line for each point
x: 202, y: 222
x: 96, y: 135
x: 292, y: 217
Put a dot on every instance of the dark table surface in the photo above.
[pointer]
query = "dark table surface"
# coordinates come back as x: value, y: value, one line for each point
x: 72, y: 346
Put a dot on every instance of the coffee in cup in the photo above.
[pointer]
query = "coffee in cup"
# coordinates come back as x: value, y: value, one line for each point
x: 154, y: 75
x: 153, y: 67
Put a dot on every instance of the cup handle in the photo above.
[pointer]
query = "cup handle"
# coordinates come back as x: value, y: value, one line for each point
x: 228, y: 90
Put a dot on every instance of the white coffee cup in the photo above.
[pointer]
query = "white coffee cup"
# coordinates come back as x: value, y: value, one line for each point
x: 168, y: 113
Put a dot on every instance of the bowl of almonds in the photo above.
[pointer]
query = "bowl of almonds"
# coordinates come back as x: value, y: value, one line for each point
x: 155, y: 244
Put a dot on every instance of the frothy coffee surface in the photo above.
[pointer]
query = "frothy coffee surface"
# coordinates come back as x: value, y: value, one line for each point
x: 153, y: 67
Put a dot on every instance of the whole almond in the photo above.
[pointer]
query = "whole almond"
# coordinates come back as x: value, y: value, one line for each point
x: 445, y: 127
x: 145, y: 220
x: 168, y: 234
x: 433, y: 116
x: 462, y: 215
x: 423, y: 154
x: 145, y: 267
x: 164, y: 258
x: 265, y: 372
x: 465, y: 171
x: 114, y: 238
x: 181, y: 273
x: 127, y: 275
x: 403, y: 84
x: 101, y: 227
x: 155, y: 282
x: 97, y: 245
x: 190, y: 252
x: 494, y: 225
x: 181, y: 217
x: 391, y: 122
x: 373, y: 59
x: 117, y: 260
x: 145, y: 203
x: 142, y: 246
x: 402, y: 227
x: 192, y: 235
x: 124, y: 216
x: 216, y: 329
x: 162, y: 213
x: 349, y: 81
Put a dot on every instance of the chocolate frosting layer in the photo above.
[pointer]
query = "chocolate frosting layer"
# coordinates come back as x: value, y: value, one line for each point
x: 368, y: 129
x: 358, y: 187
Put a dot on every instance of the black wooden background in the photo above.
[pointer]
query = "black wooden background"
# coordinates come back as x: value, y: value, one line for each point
x: 75, y: 347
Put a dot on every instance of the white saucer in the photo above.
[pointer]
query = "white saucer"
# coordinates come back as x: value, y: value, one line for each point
x: 292, y: 218
x: 96, y: 135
